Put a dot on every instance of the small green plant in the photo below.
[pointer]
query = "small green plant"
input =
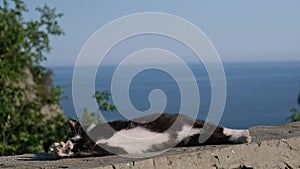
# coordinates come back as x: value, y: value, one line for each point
x: 102, y: 98
x: 89, y: 118
x: 295, y: 113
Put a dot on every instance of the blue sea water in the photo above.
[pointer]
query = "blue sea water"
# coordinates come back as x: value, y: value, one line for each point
x: 258, y: 93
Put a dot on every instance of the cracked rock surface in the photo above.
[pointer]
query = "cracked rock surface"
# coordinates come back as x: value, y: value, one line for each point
x: 272, y: 147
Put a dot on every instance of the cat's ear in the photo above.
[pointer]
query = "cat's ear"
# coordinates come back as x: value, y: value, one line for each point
x: 72, y: 123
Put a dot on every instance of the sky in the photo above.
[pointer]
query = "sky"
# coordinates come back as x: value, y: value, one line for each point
x: 241, y: 31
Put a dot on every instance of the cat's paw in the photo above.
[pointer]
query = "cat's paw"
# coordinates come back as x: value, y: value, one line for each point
x: 238, y: 136
x: 61, y: 149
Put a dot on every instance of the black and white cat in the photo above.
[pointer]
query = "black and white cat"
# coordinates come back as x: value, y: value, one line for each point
x: 142, y: 135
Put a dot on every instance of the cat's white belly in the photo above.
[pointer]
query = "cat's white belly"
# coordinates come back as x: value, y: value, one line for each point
x: 140, y: 140
x: 135, y: 141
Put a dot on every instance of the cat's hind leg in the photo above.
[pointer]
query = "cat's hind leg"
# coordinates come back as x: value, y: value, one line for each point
x: 237, y: 136
x: 220, y: 135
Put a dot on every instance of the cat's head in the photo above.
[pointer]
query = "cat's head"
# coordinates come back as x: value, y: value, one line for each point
x: 83, y: 144
x: 76, y: 133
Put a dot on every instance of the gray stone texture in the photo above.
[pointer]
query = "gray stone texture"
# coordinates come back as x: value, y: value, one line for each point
x: 272, y: 147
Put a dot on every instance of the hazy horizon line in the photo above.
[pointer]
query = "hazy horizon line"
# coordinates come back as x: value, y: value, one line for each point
x: 189, y: 63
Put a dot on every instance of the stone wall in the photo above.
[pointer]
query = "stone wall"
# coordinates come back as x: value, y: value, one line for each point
x: 272, y: 147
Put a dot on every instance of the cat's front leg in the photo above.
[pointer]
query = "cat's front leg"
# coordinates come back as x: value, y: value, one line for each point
x: 61, y: 149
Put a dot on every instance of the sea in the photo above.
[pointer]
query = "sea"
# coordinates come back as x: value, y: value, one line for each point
x: 257, y: 93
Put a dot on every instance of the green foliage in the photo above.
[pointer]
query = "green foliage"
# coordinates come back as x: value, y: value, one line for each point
x: 295, y: 112
x: 89, y: 118
x: 102, y: 99
x: 23, y: 44
x: 54, y: 129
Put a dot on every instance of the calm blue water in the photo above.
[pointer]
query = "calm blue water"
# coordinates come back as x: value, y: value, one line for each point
x: 257, y: 93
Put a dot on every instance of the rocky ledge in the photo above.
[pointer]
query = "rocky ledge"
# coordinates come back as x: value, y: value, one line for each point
x: 272, y: 147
